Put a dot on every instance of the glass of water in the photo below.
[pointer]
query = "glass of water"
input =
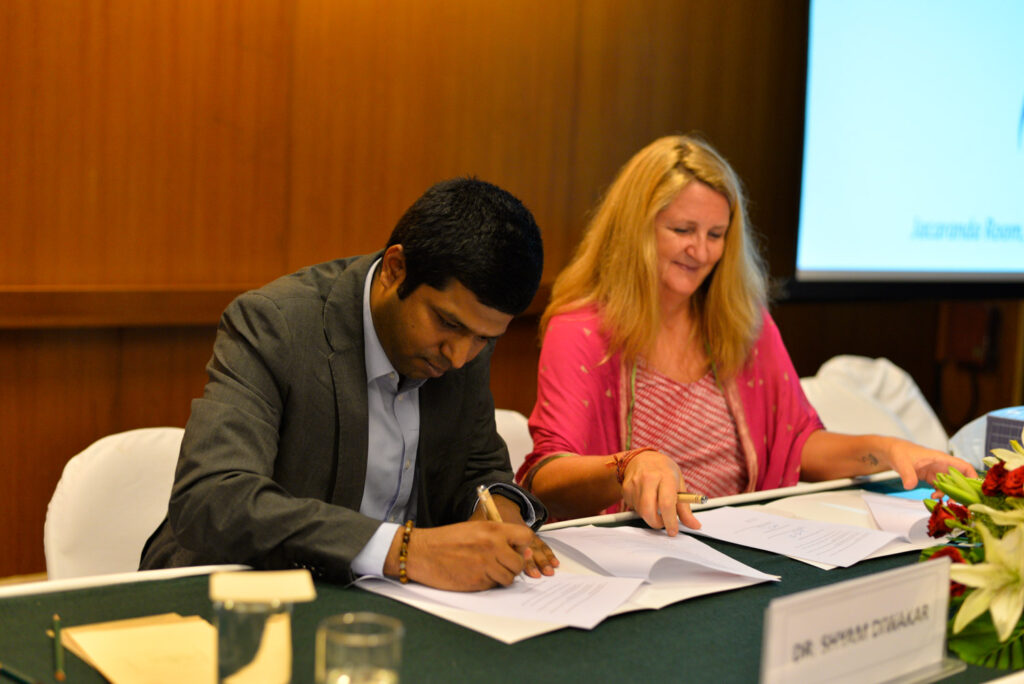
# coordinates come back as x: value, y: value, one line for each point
x: 254, y: 642
x: 358, y: 648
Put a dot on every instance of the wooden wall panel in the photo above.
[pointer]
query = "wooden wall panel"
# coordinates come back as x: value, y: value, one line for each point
x: 392, y: 96
x: 55, y: 398
x: 514, y: 366
x: 49, y: 387
x: 731, y: 71
x: 61, y: 390
x: 903, y: 332
x: 966, y: 386
x: 915, y: 335
x: 143, y: 142
x: 160, y: 372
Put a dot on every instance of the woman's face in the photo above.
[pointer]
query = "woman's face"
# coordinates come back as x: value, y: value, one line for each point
x: 690, y: 238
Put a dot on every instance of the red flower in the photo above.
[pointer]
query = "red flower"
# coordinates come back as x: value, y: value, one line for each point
x: 959, y: 510
x: 937, y: 523
x: 992, y: 486
x: 953, y: 553
x: 1013, y: 485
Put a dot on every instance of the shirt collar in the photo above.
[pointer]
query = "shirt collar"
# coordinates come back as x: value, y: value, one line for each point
x: 378, y: 365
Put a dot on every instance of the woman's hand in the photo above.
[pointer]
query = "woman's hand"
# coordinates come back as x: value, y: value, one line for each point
x: 831, y: 455
x: 650, y: 485
x: 914, y: 462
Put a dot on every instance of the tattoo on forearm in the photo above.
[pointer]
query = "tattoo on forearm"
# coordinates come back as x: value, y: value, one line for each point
x: 870, y: 458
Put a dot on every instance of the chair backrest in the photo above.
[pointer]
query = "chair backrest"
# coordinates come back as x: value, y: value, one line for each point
x: 514, y: 428
x: 860, y: 395
x: 109, y: 499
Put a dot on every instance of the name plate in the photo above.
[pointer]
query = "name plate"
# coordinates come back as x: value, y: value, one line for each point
x: 874, y: 628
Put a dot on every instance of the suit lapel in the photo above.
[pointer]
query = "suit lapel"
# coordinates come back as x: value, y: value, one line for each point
x: 343, y: 326
x: 349, y: 374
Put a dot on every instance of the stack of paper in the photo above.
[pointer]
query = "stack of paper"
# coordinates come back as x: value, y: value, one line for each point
x: 802, y: 539
x: 826, y: 529
x: 589, y: 585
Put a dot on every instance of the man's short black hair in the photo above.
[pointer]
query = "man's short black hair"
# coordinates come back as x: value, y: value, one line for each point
x: 476, y: 233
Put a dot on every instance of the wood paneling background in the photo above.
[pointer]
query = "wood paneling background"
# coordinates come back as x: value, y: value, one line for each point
x: 159, y: 156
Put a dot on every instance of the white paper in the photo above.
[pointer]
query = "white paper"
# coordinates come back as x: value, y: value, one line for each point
x: 905, y: 517
x: 649, y: 554
x: 670, y: 578
x: 504, y: 629
x: 842, y: 545
x: 564, y: 599
x: 844, y: 507
x: 849, y: 507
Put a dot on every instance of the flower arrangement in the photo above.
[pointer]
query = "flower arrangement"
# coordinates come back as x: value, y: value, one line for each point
x: 985, y: 521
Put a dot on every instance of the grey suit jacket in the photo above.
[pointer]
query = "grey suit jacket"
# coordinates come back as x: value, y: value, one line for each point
x: 273, y: 461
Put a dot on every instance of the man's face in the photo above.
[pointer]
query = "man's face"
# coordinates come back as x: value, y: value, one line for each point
x: 431, y: 331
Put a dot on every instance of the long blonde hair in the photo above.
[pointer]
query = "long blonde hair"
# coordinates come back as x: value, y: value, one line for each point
x: 615, y: 265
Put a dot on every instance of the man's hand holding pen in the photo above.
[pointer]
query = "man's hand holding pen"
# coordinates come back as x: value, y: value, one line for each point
x: 540, y: 559
x: 474, y: 555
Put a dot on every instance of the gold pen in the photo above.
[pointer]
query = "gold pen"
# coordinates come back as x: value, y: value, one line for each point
x: 487, y: 502
x: 691, y: 498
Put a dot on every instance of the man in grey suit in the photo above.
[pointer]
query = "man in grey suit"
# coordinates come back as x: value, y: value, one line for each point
x: 348, y: 419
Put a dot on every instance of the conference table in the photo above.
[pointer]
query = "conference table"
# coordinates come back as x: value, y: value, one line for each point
x: 712, y: 638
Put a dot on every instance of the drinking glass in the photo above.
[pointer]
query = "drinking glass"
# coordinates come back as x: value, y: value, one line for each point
x: 254, y: 642
x: 358, y: 648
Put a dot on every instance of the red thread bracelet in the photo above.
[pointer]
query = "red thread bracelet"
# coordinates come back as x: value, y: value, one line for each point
x: 620, y: 461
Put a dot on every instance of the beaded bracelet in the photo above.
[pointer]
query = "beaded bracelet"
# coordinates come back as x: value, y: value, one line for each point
x: 403, y: 553
x: 620, y: 461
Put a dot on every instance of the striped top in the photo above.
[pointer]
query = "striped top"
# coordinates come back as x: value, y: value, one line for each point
x: 691, y: 423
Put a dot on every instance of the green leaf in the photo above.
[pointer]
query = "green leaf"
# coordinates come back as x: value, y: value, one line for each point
x: 978, y: 644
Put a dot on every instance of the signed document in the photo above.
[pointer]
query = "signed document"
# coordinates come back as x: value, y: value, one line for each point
x: 823, y: 542
x: 902, y: 513
x: 604, y: 571
x: 570, y: 599
x: 649, y: 554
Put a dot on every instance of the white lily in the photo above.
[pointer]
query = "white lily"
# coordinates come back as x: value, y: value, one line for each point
x: 1015, y: 516
x: 998, y: 582
x: 1011, y: 458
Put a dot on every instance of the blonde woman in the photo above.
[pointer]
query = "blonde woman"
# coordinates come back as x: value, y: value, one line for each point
x: 662, y: 371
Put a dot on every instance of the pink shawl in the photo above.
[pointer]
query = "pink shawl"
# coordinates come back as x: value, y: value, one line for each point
x: 581, y: 401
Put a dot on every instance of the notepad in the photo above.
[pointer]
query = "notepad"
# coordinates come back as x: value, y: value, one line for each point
x: 154, y: 649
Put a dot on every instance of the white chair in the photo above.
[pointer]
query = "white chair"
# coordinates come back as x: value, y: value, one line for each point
x: 109, y: 499
x: 514, y: 428
x: 860, y: 395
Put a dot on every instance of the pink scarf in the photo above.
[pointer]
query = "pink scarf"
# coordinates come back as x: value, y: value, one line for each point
x: 582, y: 401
